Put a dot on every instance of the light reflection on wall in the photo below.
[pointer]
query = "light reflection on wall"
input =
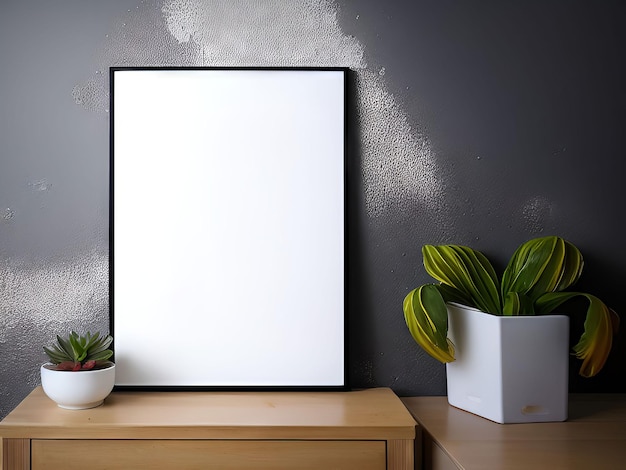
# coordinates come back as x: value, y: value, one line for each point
x: 398, y: 166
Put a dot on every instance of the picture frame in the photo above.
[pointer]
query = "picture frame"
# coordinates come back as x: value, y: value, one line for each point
x: 228, y: 228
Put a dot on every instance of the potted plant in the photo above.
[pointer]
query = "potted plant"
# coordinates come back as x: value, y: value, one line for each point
x: 506, y: 354
x: 79, y: 374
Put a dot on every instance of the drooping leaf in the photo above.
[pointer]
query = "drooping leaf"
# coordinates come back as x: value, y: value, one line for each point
x: 600, y: 324
x: 426, y: 317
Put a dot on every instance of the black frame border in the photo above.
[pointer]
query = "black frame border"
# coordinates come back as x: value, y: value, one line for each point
x: 346, y: 180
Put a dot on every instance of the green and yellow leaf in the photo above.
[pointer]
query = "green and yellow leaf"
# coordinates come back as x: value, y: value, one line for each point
x: 426, y: 317
x: 600, y: 325
x: 541, y: 265
x: 466, y: 270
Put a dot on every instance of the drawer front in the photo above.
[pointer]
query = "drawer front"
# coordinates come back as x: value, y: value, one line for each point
x: 205, y: 454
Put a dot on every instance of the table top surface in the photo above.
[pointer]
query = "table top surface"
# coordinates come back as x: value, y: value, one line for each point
x: 593, y: 437
x: 366, y: 414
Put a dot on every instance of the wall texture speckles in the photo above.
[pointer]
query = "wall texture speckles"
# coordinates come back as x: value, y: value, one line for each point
x: 536, y: 212
x: 39, y: 299
x: 301, y: 33
x: 52, y: 293
x: 263, y: 32
x: 400, y: 172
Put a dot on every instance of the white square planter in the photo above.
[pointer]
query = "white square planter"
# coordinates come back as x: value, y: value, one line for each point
x: 509, y: 369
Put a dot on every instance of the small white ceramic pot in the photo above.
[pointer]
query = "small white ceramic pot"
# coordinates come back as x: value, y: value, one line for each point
x: 77, y: 390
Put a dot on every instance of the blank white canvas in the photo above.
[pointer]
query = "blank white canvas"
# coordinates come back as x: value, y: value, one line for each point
x: 228, y: 227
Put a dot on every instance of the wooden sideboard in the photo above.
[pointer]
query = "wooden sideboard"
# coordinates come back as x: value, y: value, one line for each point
x: 593, y: 437
x: 367, y: 429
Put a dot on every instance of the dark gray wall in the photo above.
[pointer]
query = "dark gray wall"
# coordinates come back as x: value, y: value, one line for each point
x: 524, y: 106
x: 480, y: 123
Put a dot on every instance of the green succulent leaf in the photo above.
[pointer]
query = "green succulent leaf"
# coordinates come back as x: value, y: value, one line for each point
x: 81, y: 352
x: 99, y: 344
x: 466, y: 270
x: 517, y: 304
x: 56, y: 355
x: 541, y: 265
x: 101, y: 356
x: 66, y: 347
x: 572, y: 267
x: 426, y: 317
x: 450, y: 294
x: 78, y: 347
x: 600, y: 325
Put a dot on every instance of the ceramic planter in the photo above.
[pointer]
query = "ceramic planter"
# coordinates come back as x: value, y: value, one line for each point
x: 78, y: 390
x: 509, y: 369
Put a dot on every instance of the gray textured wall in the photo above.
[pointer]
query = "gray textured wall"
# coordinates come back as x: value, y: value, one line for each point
x: 482, y: 123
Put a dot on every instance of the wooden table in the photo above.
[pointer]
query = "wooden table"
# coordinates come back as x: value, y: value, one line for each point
x: 593, y: 437
x: 368, y: 429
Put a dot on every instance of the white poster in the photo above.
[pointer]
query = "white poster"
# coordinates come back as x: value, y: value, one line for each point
x: 227, y: 227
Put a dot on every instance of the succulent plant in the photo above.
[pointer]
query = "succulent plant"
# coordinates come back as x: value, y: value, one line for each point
x: 77, y: 352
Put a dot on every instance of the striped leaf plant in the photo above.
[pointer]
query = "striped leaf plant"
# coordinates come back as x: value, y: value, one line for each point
x: 533, y: 283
